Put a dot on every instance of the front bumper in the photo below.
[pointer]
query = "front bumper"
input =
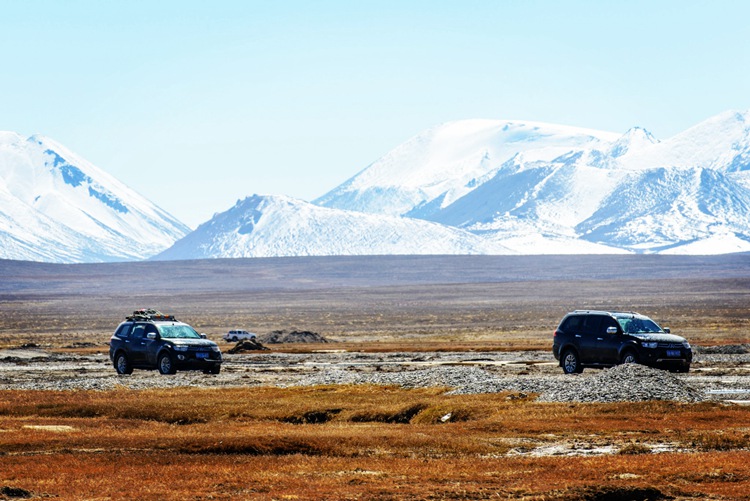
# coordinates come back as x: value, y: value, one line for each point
x: 672, y: 358
x: 197, y: 359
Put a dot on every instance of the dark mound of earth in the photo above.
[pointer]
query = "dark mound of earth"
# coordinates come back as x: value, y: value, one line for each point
x: 283, y: 336
x: 247, y: 345
x: 728, y: 349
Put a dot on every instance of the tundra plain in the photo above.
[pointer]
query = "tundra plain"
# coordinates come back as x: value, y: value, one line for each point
x: 268, y: 441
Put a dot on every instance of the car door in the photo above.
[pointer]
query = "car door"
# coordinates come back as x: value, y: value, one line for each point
x: 587, y: 339
x: 608, y: 343
x: 138, y: 346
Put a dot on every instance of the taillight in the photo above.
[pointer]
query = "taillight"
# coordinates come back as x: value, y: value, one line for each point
x: 554, y: 334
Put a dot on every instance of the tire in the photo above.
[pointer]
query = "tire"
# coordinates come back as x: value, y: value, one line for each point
x: 234, y: 339
x: 213, y: 370
x: 570, y: 362
x: 122, y: 364
x: 629, y: 357
x: 165, y: 364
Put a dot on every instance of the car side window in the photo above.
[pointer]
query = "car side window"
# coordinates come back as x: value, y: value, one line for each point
x: 151, y: 329
x: 139, y: 331
x: 592, y: 324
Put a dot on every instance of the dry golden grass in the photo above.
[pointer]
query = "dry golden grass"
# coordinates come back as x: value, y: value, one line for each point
x: 361, y: 442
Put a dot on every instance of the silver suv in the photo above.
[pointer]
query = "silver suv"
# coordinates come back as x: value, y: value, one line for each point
x: 238, y: 335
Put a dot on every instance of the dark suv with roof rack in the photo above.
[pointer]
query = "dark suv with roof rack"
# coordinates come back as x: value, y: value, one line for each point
x: 151, y: 340
x: 588, y: 338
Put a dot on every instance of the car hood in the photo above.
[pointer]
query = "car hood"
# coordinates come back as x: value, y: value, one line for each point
x: 192, y: 342
x: 659, y: 337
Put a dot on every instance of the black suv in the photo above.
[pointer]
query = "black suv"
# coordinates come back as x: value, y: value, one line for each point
x: 605, y: 338
x: 150, y: 340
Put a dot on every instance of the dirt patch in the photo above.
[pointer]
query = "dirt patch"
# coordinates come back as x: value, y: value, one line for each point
x: 14, y: 493
x: 608, y: 493
x: 283, y: 336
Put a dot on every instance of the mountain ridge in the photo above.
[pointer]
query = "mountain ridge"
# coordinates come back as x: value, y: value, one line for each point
x: 58, y: 207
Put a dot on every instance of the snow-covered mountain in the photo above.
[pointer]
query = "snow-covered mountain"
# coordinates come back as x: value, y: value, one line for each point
x: 465, y: 187
x: 538, y: 188
x: 439, y: 166
x: 265, y: 226
x: 57, y: 207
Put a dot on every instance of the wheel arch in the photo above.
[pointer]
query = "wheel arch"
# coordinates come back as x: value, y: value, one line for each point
x: 568, y: 347
x: 631, y: 346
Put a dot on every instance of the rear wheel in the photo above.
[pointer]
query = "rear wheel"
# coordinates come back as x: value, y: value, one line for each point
x: 571, y: 364
x: 122, y: 364
x: 165, y: 364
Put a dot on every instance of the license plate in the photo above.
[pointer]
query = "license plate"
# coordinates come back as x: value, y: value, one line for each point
x: 202, y: 354
x: 674, y: 353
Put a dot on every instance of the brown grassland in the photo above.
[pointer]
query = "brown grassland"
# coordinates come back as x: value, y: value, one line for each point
x: 363, y: 442
x: 366, y: 442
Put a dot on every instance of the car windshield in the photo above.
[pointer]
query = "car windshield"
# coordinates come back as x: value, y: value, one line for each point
x: 178, y: 331
x: 635, y: 325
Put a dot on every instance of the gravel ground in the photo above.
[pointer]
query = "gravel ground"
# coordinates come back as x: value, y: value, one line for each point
x: 714, y: 376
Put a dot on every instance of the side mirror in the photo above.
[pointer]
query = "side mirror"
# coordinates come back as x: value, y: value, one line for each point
x: 151, y: 335
x: 667, y: 330
x: 611, y: 330
x: 204, y: 336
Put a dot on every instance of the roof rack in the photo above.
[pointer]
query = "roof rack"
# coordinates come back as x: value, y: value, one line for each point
x: 607, y: 311
x: 149, y: 314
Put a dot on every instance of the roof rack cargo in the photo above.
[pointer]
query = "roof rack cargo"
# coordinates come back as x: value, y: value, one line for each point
x: 149, y: 314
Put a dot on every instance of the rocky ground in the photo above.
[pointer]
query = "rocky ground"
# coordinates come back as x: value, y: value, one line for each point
x: 717, y: 374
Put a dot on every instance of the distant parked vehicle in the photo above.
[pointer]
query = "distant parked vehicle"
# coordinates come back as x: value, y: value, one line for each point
x: 239, y: 335
x: 149, y: 339
x: 587, y: 338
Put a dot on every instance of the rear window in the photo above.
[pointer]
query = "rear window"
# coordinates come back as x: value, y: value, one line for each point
x: 123, y: 330
x: 572, y: 323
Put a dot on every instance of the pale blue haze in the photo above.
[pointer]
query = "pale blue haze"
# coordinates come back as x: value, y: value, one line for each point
x: 195, y: 104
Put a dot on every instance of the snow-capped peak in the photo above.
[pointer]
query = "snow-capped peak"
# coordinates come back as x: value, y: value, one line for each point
x: 635, y: 139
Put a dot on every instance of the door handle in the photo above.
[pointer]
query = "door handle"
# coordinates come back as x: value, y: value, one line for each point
x: 578, y: 335
x: 600, y: 339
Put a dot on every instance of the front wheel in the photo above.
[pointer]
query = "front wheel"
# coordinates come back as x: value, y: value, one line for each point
x: 571, y: 363
x: 629, y: 357
x: 213, y: 370
x: 122, y: 364
x: 165, y: 364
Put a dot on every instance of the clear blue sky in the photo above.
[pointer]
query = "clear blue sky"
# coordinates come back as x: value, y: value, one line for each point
x: 196, y: 104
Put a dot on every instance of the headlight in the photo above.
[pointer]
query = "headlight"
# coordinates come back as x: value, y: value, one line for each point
x: 649, y: 344
x: 181, y: 347
x: 215, y: 348
x: 686, y: 345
